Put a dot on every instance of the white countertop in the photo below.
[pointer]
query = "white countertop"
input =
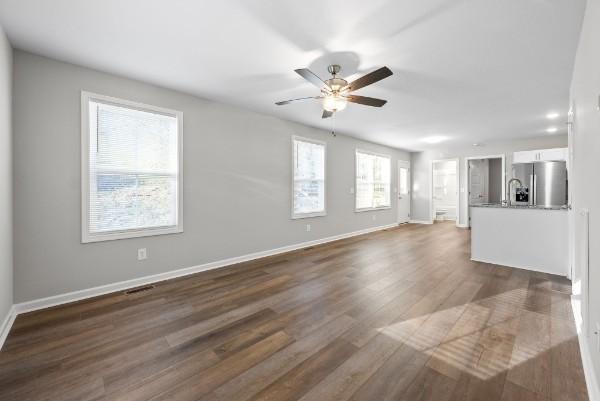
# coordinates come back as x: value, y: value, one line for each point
x: 501, y: 206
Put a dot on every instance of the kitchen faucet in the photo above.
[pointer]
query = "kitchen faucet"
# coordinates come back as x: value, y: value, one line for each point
x: 507, y: 201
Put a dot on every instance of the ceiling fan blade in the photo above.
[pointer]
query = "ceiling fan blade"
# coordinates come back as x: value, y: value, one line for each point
x: 312, y: 78
x: 367, y: 101
x: 327, y: 114
x: 293, y: 100
x: 368, y: 79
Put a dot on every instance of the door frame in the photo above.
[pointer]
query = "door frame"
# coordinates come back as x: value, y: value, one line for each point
x: 454, y: 159
x: 399, y: 164
x: 468, y: 183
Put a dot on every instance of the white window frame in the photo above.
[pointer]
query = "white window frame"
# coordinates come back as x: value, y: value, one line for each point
x: 367, y: 209
x: 86, y: 236
x: 296, y: 216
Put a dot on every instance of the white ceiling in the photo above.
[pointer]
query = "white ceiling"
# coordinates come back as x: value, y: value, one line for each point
x: 465, y: 70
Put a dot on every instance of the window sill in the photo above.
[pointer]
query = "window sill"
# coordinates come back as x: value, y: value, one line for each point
x: 87, y: 237
x: 308, y: 215
x: 372, y: 209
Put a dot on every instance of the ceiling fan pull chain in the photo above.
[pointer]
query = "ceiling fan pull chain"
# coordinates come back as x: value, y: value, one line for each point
x: 333, y: 124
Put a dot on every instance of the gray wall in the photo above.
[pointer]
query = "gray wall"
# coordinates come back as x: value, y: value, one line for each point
x: 495, y: 180
x: 6, y: 193
x: 237, y: 189
x: 421, y: 169
x: 585, y: 147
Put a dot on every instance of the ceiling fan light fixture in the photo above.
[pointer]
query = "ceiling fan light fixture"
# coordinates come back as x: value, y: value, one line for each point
x: 334, y: 103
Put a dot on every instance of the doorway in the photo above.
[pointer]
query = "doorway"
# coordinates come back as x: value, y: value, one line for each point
x: 485, y: 181
x: 444, y: 190
x: 403, y: 191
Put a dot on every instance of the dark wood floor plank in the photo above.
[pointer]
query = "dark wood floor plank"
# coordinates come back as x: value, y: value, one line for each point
x: 530, y: 365
x: 260, y: 376
x: 429, y: 385
x: 350, y: 375
x: 160, y: 382
x: 204, y: 382
x: 390, y: 381
x: 306, y: 375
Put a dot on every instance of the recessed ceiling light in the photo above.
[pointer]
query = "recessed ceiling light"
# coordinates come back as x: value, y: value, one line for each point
x: 552, y: 130
x: 552, y: 116
x: 434, y: 139
x: 477, y: 144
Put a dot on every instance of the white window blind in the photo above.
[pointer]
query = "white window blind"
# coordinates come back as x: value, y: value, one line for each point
x: 309, y: 178
x: 133, y: 170
x: 373, y: 178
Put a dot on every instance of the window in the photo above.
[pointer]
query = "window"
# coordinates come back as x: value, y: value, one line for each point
x: 403, y: 181
x: 372, y: 181
x: 309, y: 178
x: 131, y: 169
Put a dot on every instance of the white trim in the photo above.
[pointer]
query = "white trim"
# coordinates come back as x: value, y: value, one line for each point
x: 86, y: 236
x: 431, y: 211
x: 308, y: 215
x: 420, y: 221
x: 124, y: 285
x: 403, y: 164
x: 372, y: 209
x: 7, y: 325
x: 323, y: 212
x: 368, y: 152
x: 500, y: 156
x: 460, y: 225
x: 515, y: 266
x: 591, y: 379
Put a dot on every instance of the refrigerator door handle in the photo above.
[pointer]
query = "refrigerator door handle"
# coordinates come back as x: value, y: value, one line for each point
x: 535, y: 189
x: 531, y: 190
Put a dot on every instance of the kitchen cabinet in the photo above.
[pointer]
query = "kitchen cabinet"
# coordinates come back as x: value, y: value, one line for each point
x: 527, y: 156
x: 553, y: 155
x: 542, y: 155
x: 522, y: 237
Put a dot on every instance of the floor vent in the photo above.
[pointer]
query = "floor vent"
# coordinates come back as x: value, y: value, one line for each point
x: 309, y: 248
x: 139, y: 289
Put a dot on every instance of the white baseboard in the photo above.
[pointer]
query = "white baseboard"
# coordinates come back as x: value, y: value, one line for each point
x: 462, y: 225
x: 7, y: 325
x: 124, y: 285
x: 420, y: 221
x: 492, y: 262
x: 591, y: 379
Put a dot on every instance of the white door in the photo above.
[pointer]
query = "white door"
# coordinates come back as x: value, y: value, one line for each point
x: 478, y: 185
x: 403, y: 191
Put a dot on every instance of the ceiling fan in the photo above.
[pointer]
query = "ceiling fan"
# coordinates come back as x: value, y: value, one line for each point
x: 335, y: 91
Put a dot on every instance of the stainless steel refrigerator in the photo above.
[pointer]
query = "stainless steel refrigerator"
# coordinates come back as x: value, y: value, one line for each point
x: 546, y: 182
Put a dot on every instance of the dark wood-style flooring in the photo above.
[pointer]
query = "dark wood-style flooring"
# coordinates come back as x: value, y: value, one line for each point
x: 401, y: 314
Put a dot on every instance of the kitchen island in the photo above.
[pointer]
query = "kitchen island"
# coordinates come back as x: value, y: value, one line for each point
x: 527, y: 237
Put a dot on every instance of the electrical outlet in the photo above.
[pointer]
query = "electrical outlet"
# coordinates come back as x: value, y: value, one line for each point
x: 308, y: 227
x: 142, y: 254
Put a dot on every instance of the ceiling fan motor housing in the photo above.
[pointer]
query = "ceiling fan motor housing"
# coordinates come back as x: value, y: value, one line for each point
x: 334, y: 69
